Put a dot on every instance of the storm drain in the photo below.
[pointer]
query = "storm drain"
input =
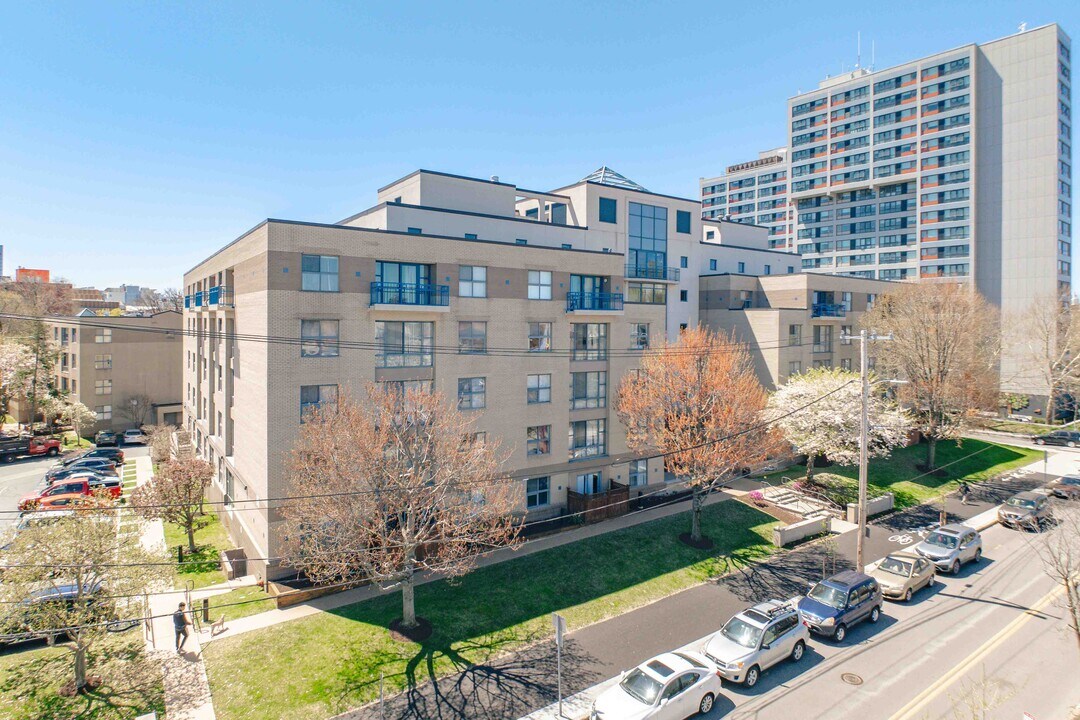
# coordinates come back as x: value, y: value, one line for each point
x: 851, y: 679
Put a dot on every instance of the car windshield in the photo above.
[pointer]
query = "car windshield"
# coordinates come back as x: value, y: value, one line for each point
x: 1021, y: 502
x: 1070, y: 481
x: 828, y: 595
x: 896, y: 566
x: 742, y: 632
x: 640, y: 686
x: 943, y: 540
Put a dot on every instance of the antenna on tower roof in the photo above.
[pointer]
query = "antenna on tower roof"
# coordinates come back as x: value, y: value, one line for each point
x: 873, y: 53
x: 858, y: 50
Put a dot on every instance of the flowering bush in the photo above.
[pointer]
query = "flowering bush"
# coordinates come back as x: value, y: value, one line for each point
x: 757, y: 496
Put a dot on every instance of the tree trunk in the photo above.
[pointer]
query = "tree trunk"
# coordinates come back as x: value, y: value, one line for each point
x: 810, y: 467
x: 191, y: 537
x: 80, y: 667
x: 695, y: 516
x: 931, y: 452
x: 1072, y: 599
x: 408, y: 602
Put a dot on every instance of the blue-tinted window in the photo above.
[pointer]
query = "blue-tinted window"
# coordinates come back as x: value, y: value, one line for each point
x: 682, y: 221
x: 415, y: 231
x: 608, y: 210
x: 742, y: 267
x: 319, y: 273
x: 648, y: 236
x: 790, y: 269
x: 712, y: 265
x: 682, y: 295
x: 768, y: 269
x: 684, y: 261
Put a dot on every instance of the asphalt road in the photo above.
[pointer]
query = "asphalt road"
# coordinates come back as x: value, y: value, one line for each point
x: 523, y: 682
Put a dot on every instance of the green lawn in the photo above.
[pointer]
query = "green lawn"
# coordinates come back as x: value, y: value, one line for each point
x: 329, y: 662
x: 29, y: 681
x: 202, y: 568
x: 970, y: 460
x: 1018, y: 428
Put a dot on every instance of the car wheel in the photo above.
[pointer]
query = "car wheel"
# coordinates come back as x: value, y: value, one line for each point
x: 52, y: 452
x: 1040, y: 442
x: 955, y: 567
x: 752, y: 676
x: 798, y: 651
x: 875, y: 614
x: 907, y: 595
x: 978, y: 554
x: 840, y: 634
x: 706, y: 704
x: 931, y: 580
x: 9, y: 458
x: 1070, y: 444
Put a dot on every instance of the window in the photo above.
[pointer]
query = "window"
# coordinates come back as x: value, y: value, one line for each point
x: 682, y: 222
x: 712, y: 265
x: 104, y: 412
x: 318, y: 338
x: 646, y: 293
x: 404, y: 344
x: 608, y: 210
x: 539, y: 284
x: 403, y: 387
x: 472, y: 337
x: 315, y: 397
x: 648, y: 236
x: 538, y: 440
x: 415, y: 231
x: 589, y: 341
x: 588, y: 390
x: 471, y: 393
x: 742, y: 268
x: 822, y: 338
x: 103, y: 336
x: 845, y: 330
x: 684, y: 261
x: 683, y: 294
x: 845, y: 364
x: 539, y: 389
x: 710, y: 234
x: 103, y: 362
x: 794, y: 367
x: 103, y: 387
x: 790, y: 269
x: 639, y: 472
x: 319, y: 273
x: 472, y: 281
x: 470, y: 236
x: 539, y: 336
x: 588, y: 438
x: 794, y: 335
x: 537, y: 492
x: 639, y: 336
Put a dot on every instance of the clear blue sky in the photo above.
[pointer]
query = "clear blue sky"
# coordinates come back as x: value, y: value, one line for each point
x: 136, y: 139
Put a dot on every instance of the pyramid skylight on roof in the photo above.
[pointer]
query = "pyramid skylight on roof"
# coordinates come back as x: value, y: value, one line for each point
x: 607, y: 176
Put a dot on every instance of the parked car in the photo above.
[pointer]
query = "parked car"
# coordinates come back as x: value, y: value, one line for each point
x: 1066, y: 488
x: 15, y: 624
x: 1068, y: 438
x: 113, y: 453
x: 901, y: 574
x: 835, y: 604
x: 756, y: 639
x: 134, y: 436
x: 1025, y: 510
x: 671, y: 686
x: 106, y: 438
x: 102, y: 466
x: 83, y: 484
x: 66, y: 501
x: 950, y: 546
x: 12, y: 448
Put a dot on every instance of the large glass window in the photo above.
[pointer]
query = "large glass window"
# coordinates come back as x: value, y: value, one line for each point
x: 404, y: 344
x: 822, y: 338
x: 103, y: 387
x: 319, y: 338
x: 588, y: 438
x: 472, y: 393
x: 682, y: 222
x: 319, y: 273
x: 537, y: 492
x: 539, y: 389
x: 639, y: 472
x: 639, y: 336
x: 316, y: 396
x: 646, y: 293
x: 103, y: 362
x: 538, y: 440
x: 609, y: 210
x: 648, y: 237
x: 588, y: 390
x: 472, y: 281
x: 539, y: 284
x: 403, y: 273
x: 539, y: 336
x: 472, y: 337
x: 590, y: 341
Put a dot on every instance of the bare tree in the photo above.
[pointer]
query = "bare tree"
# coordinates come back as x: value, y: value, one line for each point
x: 391, y: 486
x: 139, y: 409
x: 171, y: 299
x: 176, y: 495
x: 159, y: 440
x: 980, y: 699
x: 66, y: 580
x: 1059, y: 550
x: 699, y: 402
x: 1048, y: 337
x: 945, y: 344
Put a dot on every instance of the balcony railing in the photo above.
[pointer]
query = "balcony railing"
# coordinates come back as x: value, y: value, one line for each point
x: 647, y: 272
x: 593, y: 301
x: 828, y: 310
x: 388, y: 293
x: 220, y: 295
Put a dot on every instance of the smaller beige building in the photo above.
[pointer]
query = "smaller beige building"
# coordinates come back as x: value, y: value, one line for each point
x: 791, y: 322
x: 106, y: 363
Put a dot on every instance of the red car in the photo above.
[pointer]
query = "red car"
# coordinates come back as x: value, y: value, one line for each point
x: 85, y: 485
x: 16, y: 447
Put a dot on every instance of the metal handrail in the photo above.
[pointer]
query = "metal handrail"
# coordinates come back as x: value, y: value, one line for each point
x: 652, y: 272
x: 389, y: 293
x: 593, y: 301
x: 828, y: 310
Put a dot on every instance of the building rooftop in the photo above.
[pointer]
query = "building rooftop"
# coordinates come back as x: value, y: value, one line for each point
x: 606, y: 176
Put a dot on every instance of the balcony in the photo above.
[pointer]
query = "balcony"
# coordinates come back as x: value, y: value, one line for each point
x: 594, y: 302
x: 220, y: 296
x: 411, y: 295
x: 599, y: 506
x: 828, y: 310
x: 650, y: 272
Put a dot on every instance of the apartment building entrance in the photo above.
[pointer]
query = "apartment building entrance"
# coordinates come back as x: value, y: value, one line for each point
x: 590, y: 483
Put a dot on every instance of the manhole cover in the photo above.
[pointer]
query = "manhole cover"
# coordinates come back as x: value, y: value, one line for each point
x: 851, y: 679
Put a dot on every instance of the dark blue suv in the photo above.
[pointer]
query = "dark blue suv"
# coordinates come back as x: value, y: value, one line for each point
x: 834, y: 605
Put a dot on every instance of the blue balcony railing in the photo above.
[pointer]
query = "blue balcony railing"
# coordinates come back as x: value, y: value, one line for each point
x: 649, y: 272
x: 220, y: 295
x: 593, y: 301
x: 200, y: 298
x: 387, y: 293
x: 187, y: 302
x: 828, y: 310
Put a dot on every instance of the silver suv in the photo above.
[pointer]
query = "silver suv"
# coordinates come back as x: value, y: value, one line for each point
x: 1025, y: 510
x: 756, y: 639
x: 950, y: 546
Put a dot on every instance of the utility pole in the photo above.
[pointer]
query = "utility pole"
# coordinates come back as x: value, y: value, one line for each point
x: 864, y: 437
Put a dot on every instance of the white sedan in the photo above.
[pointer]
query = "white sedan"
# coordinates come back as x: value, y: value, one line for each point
x: 672, y: 686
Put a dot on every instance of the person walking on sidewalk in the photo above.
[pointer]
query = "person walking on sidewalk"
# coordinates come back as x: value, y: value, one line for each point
x: 181, y: 623
x: 965, y: 490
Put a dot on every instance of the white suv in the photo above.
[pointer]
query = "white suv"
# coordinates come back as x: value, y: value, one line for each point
x: 756, y: 639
